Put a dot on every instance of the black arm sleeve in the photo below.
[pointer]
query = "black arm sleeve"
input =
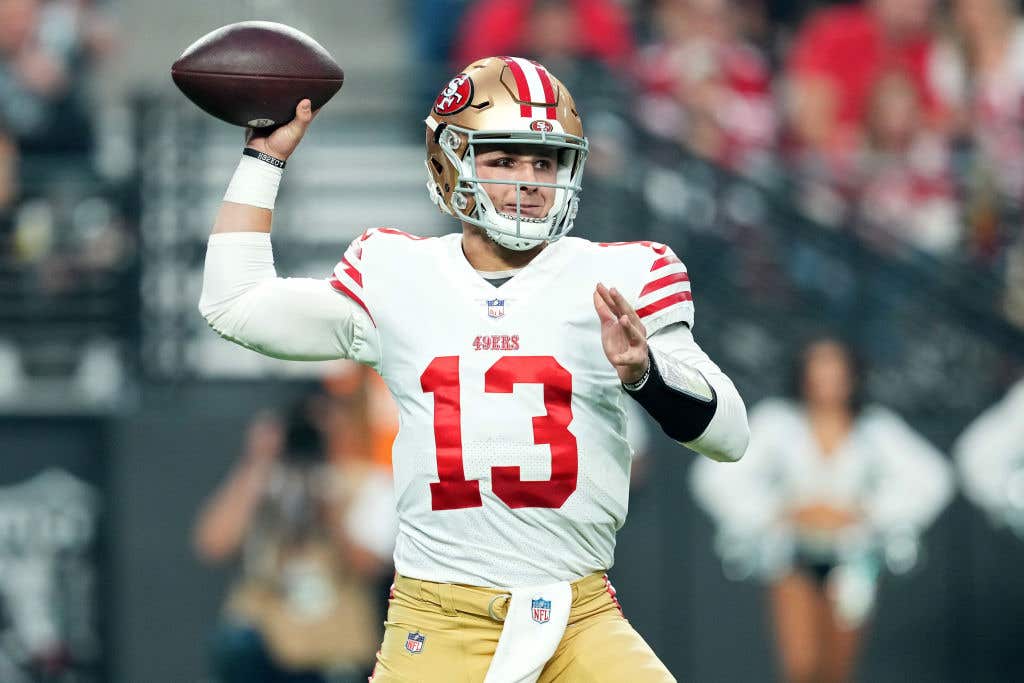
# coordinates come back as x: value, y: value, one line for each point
x: 681, y: 415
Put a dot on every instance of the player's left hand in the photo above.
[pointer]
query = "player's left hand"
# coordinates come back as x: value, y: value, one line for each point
x: 623, y: 336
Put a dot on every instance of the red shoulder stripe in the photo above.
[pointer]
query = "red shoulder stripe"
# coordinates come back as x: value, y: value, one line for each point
x: 654, y: 246
x: 665, y: 261
x: 351, y: 295
x: 655, y: 285
x: 351, y: 271
x: 660, y: 304
x: 402, y: 233
x: 367, y: 234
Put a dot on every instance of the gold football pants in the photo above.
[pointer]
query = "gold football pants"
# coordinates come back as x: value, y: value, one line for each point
x: 447, y: 633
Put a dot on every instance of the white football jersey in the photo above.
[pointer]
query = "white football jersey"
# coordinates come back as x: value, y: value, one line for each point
x: 511, y: 463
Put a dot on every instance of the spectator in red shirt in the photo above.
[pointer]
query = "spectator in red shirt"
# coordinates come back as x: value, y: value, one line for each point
x: 840, y: 54
x: 705, y: 87
x: 905, y: 188
x: 896, y: 187
x: 992, y: 38
x: 593, y: 29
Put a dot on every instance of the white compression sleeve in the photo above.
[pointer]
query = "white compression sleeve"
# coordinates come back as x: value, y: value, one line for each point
x: 726, y: 437
x: 244, y: 301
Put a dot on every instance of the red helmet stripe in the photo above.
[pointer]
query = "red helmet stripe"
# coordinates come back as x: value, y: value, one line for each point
x: 521, y: 85
x: 549, y: 91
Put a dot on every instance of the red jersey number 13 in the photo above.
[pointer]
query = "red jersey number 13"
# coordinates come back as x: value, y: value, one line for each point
x: 453, y: 491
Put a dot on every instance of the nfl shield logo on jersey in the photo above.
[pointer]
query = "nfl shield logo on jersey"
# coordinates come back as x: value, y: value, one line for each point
x: 541, y: 610
x: 495, y: 308
x: 414, y: 642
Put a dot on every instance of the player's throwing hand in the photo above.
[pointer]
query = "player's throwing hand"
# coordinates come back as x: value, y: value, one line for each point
x: 282, y: 141
x: 623, y: 335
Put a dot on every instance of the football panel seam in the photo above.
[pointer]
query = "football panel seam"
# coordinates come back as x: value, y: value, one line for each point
x: 329, y: 79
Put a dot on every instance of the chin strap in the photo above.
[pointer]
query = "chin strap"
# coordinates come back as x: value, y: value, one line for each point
x: 513, y: 243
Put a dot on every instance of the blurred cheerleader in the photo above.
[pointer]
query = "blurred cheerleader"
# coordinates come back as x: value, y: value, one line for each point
x: 829, y: 490
x: 990, y: 458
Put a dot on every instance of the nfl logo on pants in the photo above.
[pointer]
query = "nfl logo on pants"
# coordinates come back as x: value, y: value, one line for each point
x: 414, y: 642
x: 541, y: 610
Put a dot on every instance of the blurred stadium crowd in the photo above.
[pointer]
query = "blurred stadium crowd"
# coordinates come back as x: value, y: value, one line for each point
x: 67, y: 245
x: 855, y: 167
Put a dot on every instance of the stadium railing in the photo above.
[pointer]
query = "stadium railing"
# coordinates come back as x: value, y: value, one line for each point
x: 68, y: 291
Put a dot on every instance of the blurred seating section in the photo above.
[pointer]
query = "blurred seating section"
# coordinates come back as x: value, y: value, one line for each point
x: 68, y: 246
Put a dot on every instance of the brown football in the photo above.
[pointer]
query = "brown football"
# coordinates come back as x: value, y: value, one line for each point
x: 253, y: 73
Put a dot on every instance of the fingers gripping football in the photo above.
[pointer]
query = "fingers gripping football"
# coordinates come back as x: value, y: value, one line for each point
x: 281, y: 142
x: 623, y: 335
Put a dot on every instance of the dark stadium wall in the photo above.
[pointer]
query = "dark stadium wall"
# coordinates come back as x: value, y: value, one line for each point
x: 956, y: 619
x: 167, y: 458
x: 52, y: 520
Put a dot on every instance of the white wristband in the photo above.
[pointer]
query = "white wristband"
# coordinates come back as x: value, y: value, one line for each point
x: 255, y: 183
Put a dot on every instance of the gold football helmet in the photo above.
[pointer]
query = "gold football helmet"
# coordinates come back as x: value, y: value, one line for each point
x: 504, y: 100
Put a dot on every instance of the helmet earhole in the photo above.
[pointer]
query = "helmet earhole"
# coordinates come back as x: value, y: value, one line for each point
x: 460, y: 201
x: 451, y: 139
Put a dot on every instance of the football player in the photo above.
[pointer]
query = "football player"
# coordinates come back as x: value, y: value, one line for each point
x: 511, y: 351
